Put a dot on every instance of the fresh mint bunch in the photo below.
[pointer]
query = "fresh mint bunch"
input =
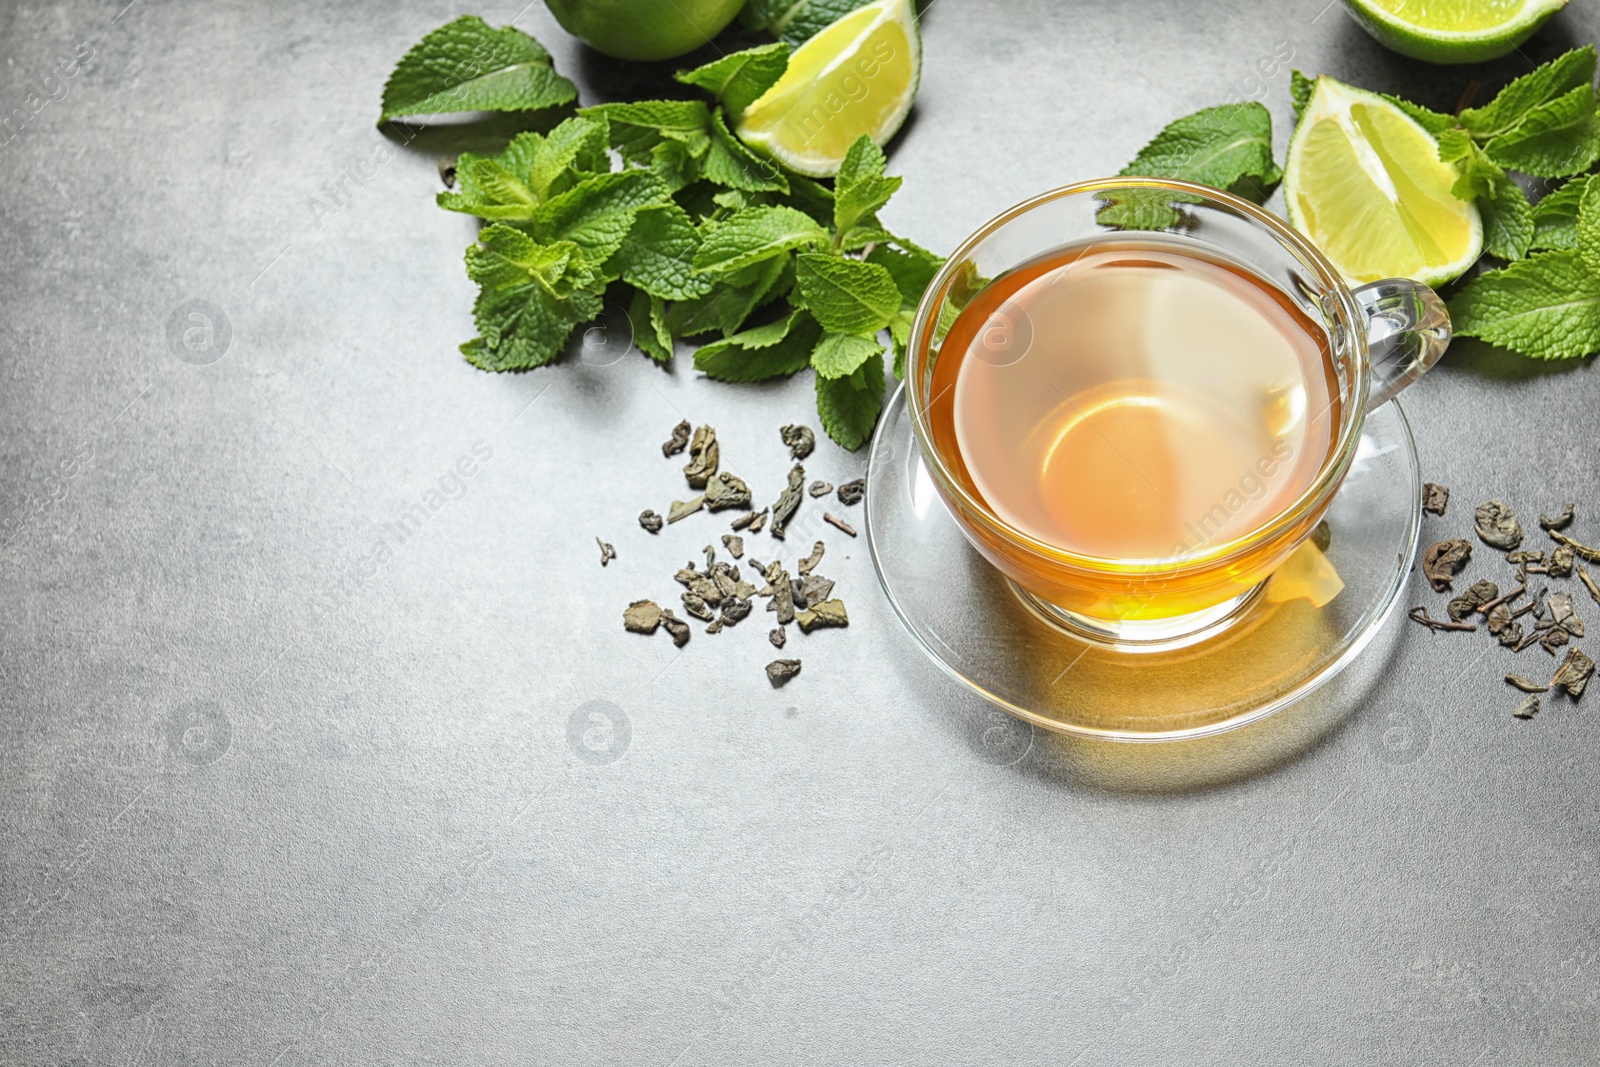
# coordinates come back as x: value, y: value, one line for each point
x: 656, y: 206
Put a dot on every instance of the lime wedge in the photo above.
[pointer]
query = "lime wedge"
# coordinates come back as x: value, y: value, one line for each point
x: 1365, y: 183
x: 857, y: 76
x: 1452, y: 31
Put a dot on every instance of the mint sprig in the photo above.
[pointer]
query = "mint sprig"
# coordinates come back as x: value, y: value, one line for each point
x: 656, y: 206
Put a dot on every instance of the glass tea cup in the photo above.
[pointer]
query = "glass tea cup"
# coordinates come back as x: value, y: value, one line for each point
x: 1378, y: 338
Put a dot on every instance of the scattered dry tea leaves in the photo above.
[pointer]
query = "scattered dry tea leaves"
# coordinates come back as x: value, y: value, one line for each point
x: 799, y: 439
x: 607, y: 553
x: 1584, y: 552
x: 696, y: 605
x: 1561, y: 562
x: 676, y: 627
x: 1435, y: 498
x: 703, y: 457
x: 1561, y: 521
x: 1527, y: 685
x: 650, y: 520
x: 678, y: 441
x: 788, y: 501
x: 827, y: 613
x: 778, y: 636
x: 838, y: 523
x: 1574, y: 673
x: 1443, y: 561
x: 734, y: 609
x: 1528, y: 708
x: 809, y: 563
x: 1588, y: 583
x: 642, y: 617
x: 852, y: 492
x: 734, y: 544
x: 1497, y: 525
x: 684, y: 508
x: 820, y: 488
x: 1478, y: 594
x: 781, y: 670
x: 782, y: 593
x: 1420, y: 614
x: 725, y: 491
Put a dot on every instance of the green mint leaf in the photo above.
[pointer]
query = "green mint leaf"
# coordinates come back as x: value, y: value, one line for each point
x: 900, y: 333
x: 728, y: 162
x: 1520, y: 97
x: 1546, y: 306
x: 1300, y: 90
x: 737, y: 79
x: 865, y: 233
x: 505, y: 257
x: 485, y: 188
x: 756, y: 234
x: 657, y: 255
x: 647, y: 315
x: 597, y: 213
x: 849, y: 406
x: 846, y: 295
x: 860, y: 188
x: 1480, y: 175
x: 1553, y: 140
x: 796, y: 20
x: 1555, y: 218
x: 1227, y: 147
x: 674, y: 165
x: 777, y: 349
x: 1507, y: 222
x: 812, y: 197
x: 911, y: 268
x: 1433, y: 121
x: 467, y: 66
x: 524, y: 326
x: 635, y: 129
x: 573, y: 150
x: 729, y: 302
x: 1588, y: 227
x: 838, y: 355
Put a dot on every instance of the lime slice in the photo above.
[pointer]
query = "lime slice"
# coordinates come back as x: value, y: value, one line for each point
x: 857, y: 76
x: 1365, y: 182
x: 1452, y: 31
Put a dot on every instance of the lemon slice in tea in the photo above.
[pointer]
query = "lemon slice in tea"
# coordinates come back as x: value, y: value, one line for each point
x: 857, y: 76
x: 1452, y: 31
x: 1365, y: 182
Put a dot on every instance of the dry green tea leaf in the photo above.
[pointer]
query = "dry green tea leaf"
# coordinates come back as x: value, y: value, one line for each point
x: 725, y: 491
x: 702, y: 457
x: 734, y: 609
x: 1477, y: 595
x: 1443, y: 560
x: 760, y: 521
x: 788, y: 501
x: 1435, y: 498
x: 1528, y: 708
x: 1499, y: 618
x: 650, y: 520
x: 678, y: 441
x: 826, y: 613
x: 743, y: 521
x: 800, y: 440
x: 1574, y: 673
x: 714, y: 627
x: 779, y: 636
x: 1564, y: 615
x: 814, y: 588
x: 1562, y: 520
x: 1512, y: 638
x: 782, y: 595
x: 1527, y: 685
x: 734, y: 544
x: 838, y: 523
x: 1497, y: 525
x: 676, y: 627
x: 1553, y: 638
x: 852, y: 492
x: 684, y: 508
x: 695, y: 605
x: 1589, y: 584
x: 780, y: 671
x: 641, y: 617
x: 809, y: 564
x: 1420, y: 614
x: 1585, y: 552
x: 607, y: 553
x: 820, y: 488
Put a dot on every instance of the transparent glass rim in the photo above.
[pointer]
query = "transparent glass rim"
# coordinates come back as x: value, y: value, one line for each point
x: 1328, y: 477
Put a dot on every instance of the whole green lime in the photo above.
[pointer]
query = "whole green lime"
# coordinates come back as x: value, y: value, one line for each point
x: 644, y: 29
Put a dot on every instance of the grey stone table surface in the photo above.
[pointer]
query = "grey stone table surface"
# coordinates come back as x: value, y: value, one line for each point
x: 280, y: 785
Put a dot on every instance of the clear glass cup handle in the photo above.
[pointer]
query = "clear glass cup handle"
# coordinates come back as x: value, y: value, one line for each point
x: 1408, y: 329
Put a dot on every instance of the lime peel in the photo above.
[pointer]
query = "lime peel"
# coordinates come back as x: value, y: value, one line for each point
x: 1452, y: 31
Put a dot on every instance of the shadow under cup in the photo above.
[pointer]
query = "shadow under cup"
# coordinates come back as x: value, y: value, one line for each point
x: 1185, y: 596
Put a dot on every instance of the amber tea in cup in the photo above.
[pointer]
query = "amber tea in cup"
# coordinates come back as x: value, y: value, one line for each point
x: 1138, y: 425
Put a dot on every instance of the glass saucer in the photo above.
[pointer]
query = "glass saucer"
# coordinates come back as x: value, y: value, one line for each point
x: 983, y: 632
